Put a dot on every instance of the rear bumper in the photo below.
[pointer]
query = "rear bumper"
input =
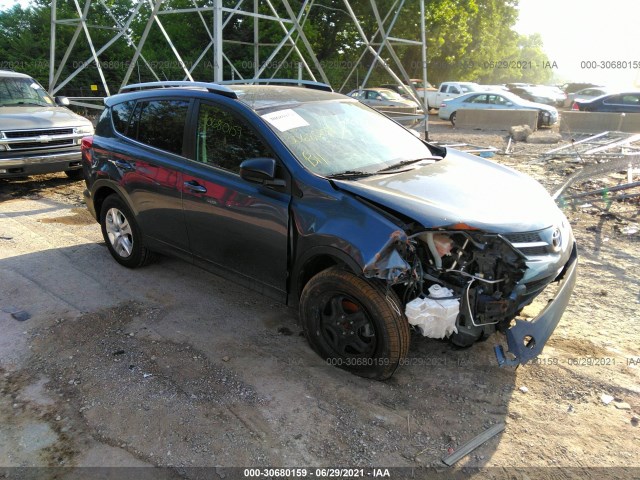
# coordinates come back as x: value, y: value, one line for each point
x: 525, y: 340
x: 88, y: 200
x: 19, y: 166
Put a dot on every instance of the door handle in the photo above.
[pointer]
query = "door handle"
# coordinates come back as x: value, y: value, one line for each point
x: 122, y: 165
x: 195, y: 187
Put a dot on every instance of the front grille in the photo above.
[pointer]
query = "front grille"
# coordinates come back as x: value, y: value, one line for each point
x: 533, y: 251
x: 37, y: 133
x: 66, y: 142
x: 531, y: 244
x: 525, y: 237
x: 538, y: 285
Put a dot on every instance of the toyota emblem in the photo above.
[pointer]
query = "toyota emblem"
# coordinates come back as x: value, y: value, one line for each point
x: 556, y: 239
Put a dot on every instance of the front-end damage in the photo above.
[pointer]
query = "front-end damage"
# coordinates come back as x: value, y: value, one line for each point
x: 465, y: 284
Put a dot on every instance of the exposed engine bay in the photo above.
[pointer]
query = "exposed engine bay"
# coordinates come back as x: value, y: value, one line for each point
x: 480, y: 271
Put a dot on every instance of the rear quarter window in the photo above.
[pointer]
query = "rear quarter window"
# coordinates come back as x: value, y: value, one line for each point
x: 121, y: 114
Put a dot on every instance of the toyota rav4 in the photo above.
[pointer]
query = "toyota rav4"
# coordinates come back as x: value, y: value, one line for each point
x: 321, y: 202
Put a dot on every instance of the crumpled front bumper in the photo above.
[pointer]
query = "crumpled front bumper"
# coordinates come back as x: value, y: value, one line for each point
x: 526, y: 339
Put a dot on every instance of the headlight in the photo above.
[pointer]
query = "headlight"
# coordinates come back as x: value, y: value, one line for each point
x: 84, y: 130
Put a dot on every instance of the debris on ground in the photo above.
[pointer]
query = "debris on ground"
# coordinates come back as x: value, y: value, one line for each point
x: 473, y: 444
x: 606, y: 399
x: 17, y: 313
x: 519, y: 133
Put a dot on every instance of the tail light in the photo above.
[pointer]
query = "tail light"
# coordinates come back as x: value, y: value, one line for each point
x: 575, y: 106
x: 87, y: 149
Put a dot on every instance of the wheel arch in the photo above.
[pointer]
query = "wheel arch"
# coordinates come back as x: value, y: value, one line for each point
x: 314, y: 261
x: 101, y: 192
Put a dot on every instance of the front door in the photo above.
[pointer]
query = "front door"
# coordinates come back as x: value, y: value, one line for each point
x: 235, y: 225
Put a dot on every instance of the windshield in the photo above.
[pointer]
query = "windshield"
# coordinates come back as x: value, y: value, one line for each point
x: 335, y: 137
x: 390, y: 95
x: 23, y: 91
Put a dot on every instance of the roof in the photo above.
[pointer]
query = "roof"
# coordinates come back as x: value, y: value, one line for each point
x: 9, y: 73
x: 259, y: 97
x: 256, y: 97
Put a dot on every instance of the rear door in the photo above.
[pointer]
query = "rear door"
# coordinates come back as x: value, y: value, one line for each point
x: 147, y: 156
x: 234, y: 225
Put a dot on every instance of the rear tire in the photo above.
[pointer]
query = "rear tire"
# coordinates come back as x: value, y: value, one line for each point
x: 74, y: 174
x: 355, y: 324
x: 122, y: 234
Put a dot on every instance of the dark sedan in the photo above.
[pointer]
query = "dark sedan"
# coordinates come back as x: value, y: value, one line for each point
x: 627, y: 102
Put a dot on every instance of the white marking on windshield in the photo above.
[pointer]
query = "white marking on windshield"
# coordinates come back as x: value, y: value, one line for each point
x: 285, y: 120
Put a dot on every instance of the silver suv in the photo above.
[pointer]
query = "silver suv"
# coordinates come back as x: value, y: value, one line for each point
x: 37, y: 133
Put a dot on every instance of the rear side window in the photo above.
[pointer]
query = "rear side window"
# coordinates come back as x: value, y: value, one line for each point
x: 159, y: 124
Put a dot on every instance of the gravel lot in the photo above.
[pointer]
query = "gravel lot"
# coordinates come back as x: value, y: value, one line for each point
x: 170, y: 366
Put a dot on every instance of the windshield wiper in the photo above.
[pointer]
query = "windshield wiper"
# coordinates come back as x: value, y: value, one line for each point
x: 349, y: 174
x: 408, y: 162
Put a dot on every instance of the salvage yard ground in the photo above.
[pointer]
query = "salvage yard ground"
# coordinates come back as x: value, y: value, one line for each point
x: 172, y: 366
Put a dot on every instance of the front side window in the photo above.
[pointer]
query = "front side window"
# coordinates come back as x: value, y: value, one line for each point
x: 225, y: 141
x: 478, y: 99
x: 159, y: 124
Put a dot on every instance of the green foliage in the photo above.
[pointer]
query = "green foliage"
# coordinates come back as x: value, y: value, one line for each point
x: 466, y: 40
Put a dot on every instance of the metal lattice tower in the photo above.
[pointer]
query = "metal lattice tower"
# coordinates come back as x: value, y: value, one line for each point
x: 381, y: 44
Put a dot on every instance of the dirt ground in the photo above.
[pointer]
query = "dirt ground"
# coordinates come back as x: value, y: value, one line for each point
x: 170, y: 366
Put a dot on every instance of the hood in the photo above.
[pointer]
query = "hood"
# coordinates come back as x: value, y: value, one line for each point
x: 461, y: 188
x: 28, y: 118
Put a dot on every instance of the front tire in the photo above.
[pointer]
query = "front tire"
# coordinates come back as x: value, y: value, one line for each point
x: 452, y: 119
x: 122, y: 234
x: 354, y: 324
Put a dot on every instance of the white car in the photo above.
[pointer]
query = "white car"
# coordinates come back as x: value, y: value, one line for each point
x: 495, y: 100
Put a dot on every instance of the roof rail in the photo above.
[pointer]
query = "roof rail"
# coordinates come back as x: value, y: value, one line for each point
x: 211, y: 87
x: 285, y: 81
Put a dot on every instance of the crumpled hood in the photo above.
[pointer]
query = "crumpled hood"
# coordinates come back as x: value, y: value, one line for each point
x: 27, y: 118
x: 462, y: 188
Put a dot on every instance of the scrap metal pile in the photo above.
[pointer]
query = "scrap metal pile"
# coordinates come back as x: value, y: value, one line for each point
x: 609, y: 182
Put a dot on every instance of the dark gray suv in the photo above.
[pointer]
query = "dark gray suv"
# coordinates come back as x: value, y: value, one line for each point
x: 321, y: 202
x: 38, y: 134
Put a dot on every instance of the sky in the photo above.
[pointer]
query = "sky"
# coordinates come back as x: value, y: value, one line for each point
x: 584, y: 37
x: 589, y: 40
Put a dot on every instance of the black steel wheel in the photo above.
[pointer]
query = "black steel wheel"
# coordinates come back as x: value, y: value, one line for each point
x: 122, y: 235
x: 354, y: 324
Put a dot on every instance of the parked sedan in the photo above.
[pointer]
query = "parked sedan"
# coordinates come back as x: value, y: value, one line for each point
x: 627, y: 102
x: 318, y: 201
x: 385, y: 99
x: 586, y: 94
x: 496, y: 100
x: 540, y: 94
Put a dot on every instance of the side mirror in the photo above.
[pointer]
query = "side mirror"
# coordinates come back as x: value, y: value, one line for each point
x: 62, y: 101
x: 260, y: 170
